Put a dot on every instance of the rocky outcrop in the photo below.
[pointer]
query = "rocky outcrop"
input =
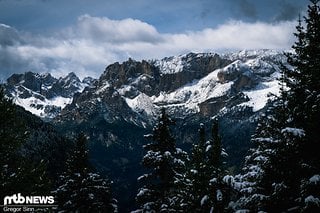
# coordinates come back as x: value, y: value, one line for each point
x: 214, y: 105
x: 241, y: 74
x: 31, y: 81
x: 245, y: 80
x: 151, y: 78
x: 45, y: 85
x: 196, y: 66
x: 65, y: 86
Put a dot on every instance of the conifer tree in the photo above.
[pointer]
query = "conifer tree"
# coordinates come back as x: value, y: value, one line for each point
x: 80, y: 189
x: 207, y: 188
x: 196, y: 173
x: 282, y: 172
x: 218, y: 189
x: 166, y: 165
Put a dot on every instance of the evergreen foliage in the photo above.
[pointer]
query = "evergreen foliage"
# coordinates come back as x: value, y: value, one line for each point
x: 207, y: 188
x: 282, y: 172
x: 166, y: 165
x: 80, y: 189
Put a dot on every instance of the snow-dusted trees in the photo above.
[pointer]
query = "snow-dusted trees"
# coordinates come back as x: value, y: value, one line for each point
x: 175, y: 183
x: 80, y: 189
x: 282, y: 172
x: 166, y: 166
x: 207, y: 189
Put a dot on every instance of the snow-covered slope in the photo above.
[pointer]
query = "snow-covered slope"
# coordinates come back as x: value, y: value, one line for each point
x: 42, y: 94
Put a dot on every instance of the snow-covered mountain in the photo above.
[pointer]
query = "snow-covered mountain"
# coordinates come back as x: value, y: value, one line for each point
x: 189, y: 84
x: 194, y: 83
x: 42, y: 94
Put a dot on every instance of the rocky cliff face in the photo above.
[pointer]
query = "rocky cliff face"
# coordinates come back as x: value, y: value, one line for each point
x: 201, y: 84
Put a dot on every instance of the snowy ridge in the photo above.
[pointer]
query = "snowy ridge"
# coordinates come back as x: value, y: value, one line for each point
x: 42, y: 94
x: 175, y: 64
x: 251, y: 73
x: 171, y: 65
x: 43, y: 108
x: 195, y: 93
x: 261, y: 66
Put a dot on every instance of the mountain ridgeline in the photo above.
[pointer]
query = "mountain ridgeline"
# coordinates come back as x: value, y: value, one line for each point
x: 116, y: 110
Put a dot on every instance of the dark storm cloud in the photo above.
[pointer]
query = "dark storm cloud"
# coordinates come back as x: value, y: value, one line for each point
x: 247, y: 9
x: 253, y: 10
x: 287, y: 11
x: 10, y: 63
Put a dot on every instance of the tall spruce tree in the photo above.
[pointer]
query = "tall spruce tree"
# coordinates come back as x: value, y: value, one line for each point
x: 80, y: 189
x: 207, y: 189
x: 218, y: 190
x: 196, y: 173
x: 166, y: 165
x: 283, y: 171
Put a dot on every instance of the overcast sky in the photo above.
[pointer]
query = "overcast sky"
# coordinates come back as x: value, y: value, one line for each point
x: 84, y: 36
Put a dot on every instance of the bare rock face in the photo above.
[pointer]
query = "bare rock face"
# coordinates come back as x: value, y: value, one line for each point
x: 141, y: 76
x: 244, y: 81
x: 194, y: 66
x: 212, y: 106
x: 242, y: 76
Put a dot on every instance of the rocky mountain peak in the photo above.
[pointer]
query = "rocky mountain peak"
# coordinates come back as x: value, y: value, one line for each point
x: 121, y: 74
x: 42, y: 94
x: 190, y: 84
x: 30, y: 80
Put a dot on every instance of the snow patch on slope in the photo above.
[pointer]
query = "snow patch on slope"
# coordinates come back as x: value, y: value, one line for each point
x: 142, y: 103
x: 37, y: 106
x: 260, y: 95
x: 197, y: 92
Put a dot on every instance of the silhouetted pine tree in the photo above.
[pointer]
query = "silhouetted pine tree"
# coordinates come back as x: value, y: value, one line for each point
x: 198, y: 182
x: 218, y: 192
x: 166, y: 165
x: 80, y: 189
x: 283, y: 171
x: 207, y: 189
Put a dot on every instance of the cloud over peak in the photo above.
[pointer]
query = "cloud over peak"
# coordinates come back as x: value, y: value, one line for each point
x: 94, y: 42
x: 116, y: 31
